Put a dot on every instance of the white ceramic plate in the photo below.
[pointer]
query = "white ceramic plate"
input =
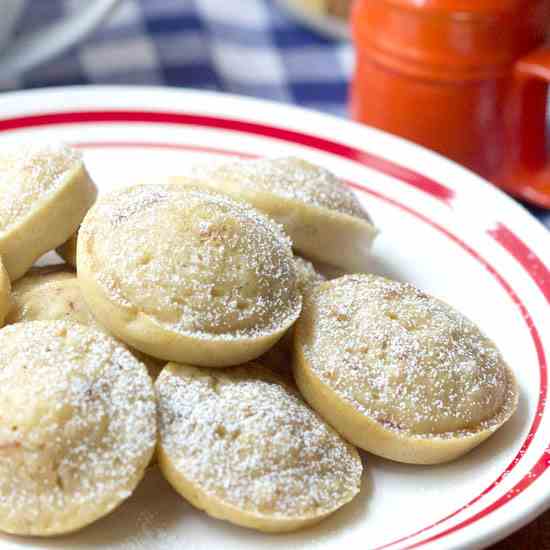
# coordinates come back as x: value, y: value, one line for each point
x: 442, y: 228
x: 328, y: 25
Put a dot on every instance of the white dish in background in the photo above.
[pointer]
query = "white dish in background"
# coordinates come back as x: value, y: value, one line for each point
x: 328, y: 25
x: 442, y: 228
x: 22, y: 53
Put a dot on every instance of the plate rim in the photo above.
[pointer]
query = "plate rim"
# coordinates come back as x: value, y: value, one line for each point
x: 516, y: 209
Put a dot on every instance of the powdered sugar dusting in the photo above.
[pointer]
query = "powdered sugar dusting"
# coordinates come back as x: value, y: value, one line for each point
x: 246, y: 438
x: 52, y: 293
x: 30, y: 173
x: 287, y: 177
x: 49, y: 294
x: 77, y: 429
x: 199, y: 263
x: 403, y: 358
x: 308, y: 276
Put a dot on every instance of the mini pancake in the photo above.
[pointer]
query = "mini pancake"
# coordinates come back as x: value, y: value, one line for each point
x: 186, y: 273
x: 240, y: 444
x: 77, y: 426
x: 45, y: 191
x: 399, y: 373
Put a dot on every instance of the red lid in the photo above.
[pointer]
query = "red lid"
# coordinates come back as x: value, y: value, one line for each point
x: 449, y: 39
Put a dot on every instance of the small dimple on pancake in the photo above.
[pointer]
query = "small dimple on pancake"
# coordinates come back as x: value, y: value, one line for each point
x: 248, y: 439
x: 401, y: 357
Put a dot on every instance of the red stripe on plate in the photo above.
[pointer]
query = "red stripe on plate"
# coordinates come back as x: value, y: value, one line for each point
x: 540, y: 467
x: 525, y: 256
x: 429, y: 186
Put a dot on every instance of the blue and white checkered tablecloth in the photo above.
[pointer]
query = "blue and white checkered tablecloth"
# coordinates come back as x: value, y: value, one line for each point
x: 250, y: 47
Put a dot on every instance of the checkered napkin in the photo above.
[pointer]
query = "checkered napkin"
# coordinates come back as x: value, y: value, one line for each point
x: 250, y: 47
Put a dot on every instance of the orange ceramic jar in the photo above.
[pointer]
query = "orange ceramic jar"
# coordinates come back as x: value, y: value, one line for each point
x: 467, y: 78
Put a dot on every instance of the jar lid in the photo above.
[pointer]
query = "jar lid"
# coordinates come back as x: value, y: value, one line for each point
x: 471, y: 7
x: 449, y: 39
